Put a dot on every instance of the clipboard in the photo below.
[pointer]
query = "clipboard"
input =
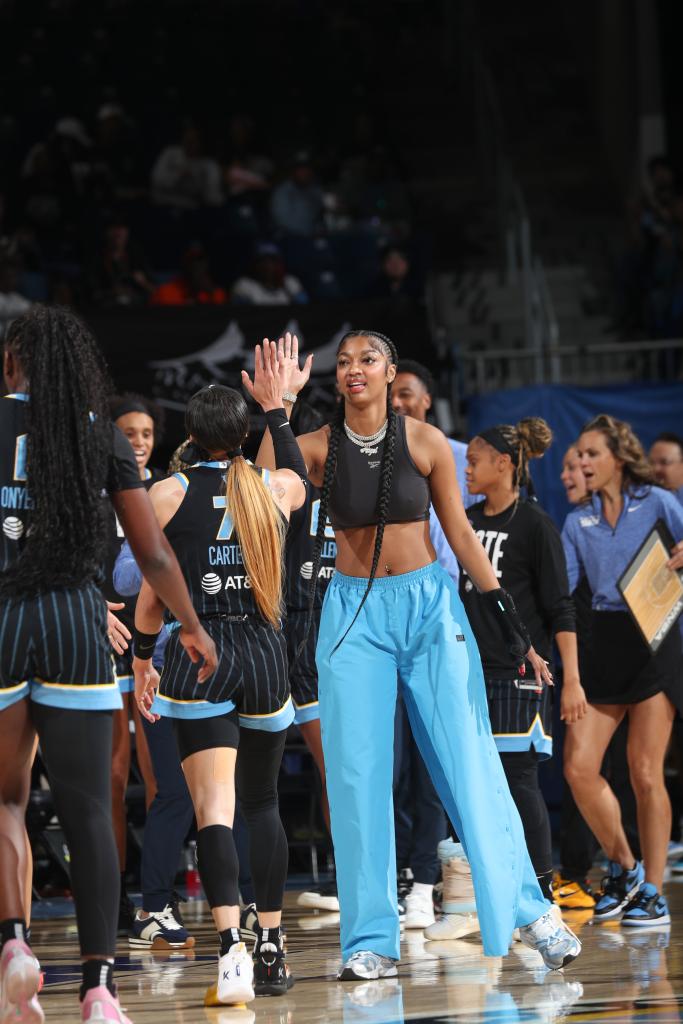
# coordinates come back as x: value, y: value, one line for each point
x: 653, y: 593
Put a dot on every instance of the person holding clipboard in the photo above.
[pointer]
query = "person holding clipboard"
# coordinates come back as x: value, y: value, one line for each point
x: 623, y: 677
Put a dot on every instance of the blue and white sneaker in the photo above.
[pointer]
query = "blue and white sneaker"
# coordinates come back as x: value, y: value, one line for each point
x: 647, y: 909
x: 551, y: 937
x: 675, y: 850
x: 367, y: 966
x: 618, y: 887
x: 161, y: 930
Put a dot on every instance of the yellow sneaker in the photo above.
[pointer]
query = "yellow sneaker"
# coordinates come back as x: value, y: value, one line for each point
x: 572, y: 895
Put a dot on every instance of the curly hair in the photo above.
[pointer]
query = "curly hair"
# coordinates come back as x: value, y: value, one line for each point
x: 526, y: 440
x: 386, y: 347
x: 625, y: 446
x: 68, y: 450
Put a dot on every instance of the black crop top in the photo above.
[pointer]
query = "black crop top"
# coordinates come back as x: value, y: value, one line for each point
x: 354, y: 491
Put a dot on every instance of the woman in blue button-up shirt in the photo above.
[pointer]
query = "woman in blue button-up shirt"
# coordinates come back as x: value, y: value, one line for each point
x: 623, y: 678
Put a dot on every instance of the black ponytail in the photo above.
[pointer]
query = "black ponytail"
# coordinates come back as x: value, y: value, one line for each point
x: 384, y: 345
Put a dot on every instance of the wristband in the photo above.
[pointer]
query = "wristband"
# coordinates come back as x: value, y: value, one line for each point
x: 289, y: 396
x: 514, y: 630
x: 287, y: 452
x: 144, y: 643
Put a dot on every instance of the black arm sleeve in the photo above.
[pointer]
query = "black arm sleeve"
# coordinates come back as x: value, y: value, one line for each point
x: 514, y: 631
x: 550, y: 570
x: 287, y: 452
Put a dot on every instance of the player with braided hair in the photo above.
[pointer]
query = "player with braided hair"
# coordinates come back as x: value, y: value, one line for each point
x: 59, y: 455
x: 391, y: 613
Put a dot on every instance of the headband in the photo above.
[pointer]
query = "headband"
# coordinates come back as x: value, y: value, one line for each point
x: 494, y: 437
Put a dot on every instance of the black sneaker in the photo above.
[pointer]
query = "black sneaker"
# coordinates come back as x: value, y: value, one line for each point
x: 271, y: 973
x: 126, y: 914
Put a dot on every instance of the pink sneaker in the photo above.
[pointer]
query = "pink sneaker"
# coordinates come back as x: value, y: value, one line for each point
x: 19, y: 983
x: 101, y: 1007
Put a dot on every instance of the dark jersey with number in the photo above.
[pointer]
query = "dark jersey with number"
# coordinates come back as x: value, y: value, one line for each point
x: 299, y: 554
x: 203, y: 537
x: 15, y: 502
x: 524, y: 548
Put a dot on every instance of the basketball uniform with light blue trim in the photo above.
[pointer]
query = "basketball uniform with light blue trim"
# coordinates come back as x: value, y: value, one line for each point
x: 303, y: 674
x: 53, y: 645
x: 252, y: 656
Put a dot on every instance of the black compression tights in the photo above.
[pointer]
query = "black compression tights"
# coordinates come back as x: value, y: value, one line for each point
x: 521, y: 771
x: 76, y: 747
x: 258, y: 765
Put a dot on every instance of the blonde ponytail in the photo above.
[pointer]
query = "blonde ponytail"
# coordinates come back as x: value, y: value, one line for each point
x: 260, y: 531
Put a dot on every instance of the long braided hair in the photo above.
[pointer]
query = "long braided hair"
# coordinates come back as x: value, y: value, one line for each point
x: 68, y: 449
x: 386, y: 347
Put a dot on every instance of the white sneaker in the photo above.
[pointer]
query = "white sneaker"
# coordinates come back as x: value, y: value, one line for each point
x: 453, y: 926
x: 419, y: 910
x: 235, y: 976
x: 367, y: 966
x: 556, y: 943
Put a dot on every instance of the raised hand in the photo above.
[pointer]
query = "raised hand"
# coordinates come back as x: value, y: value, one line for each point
x: 267, y: 386
x: 293, y: 377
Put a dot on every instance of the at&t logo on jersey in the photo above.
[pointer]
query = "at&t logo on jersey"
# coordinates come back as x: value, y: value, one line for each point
x: 326, y: 571
x: 211, y: 583
x: 12, y: 527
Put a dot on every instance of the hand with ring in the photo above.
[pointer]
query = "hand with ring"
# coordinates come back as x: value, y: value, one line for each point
x: 118, y: 634
x: 146, y: 683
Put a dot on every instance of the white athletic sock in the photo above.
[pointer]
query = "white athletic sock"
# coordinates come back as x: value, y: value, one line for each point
x: 422, y: 889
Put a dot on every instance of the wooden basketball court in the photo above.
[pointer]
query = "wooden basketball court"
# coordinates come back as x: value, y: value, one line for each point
x: 622, y: 975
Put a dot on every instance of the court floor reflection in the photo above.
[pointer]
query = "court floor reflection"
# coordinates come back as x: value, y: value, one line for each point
x: 621, y: 976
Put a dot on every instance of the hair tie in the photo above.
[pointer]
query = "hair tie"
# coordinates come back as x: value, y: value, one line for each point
x: 236, y: 454
x: 194, y: 453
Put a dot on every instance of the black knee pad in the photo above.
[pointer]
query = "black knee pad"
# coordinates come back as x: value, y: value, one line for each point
x: 218, y: 865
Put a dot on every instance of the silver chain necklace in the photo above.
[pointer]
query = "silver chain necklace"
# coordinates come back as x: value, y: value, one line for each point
x: 365, y: 443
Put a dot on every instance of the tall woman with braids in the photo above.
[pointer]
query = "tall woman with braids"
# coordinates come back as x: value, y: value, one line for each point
x: 59, y: 454
x: 392, y: 613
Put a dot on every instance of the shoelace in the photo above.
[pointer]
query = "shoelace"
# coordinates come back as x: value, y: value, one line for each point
x: 167, y: 918
x: 641, y: 900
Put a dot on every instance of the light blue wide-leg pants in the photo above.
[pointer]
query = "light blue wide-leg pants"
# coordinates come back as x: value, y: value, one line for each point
x: 413, y: 631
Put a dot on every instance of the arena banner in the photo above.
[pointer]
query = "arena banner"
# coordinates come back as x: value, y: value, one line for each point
x: 649, y: 408
x: 169, y: 353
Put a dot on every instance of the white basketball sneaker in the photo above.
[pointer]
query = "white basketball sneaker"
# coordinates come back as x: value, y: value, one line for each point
x: 235, y: 976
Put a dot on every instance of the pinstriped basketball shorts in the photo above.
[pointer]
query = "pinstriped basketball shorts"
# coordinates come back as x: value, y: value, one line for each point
x: 54, y: 649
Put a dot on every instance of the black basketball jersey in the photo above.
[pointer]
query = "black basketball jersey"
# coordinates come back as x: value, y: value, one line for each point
x: 203, y: 537
x: 15, y: 502
x: 299, y: 554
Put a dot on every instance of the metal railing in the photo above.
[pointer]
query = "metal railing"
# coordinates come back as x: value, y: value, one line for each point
x: 520, y: 265
x: 600, y: 363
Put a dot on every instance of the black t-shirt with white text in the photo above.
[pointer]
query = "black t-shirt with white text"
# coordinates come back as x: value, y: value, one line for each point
x: 524, y: 548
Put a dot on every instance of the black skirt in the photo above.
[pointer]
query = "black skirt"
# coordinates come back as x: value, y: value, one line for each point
x: 618, y: 667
